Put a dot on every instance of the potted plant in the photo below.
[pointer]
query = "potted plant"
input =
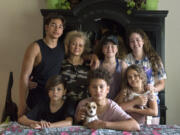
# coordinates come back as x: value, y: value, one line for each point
x: 141, y: 5
x: 57, y: 4
x: 151, y: 4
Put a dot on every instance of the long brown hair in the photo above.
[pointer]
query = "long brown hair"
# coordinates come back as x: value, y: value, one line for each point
x: 126, y: 87
x: 149, y: 51
x: 140, y: 72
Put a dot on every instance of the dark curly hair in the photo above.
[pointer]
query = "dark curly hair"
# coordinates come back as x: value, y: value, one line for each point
x: 149, y: 51
x: 100, y: 73
x: 54, y: 81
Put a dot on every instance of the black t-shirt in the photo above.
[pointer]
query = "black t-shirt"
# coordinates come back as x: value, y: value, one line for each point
x: 42, y: 112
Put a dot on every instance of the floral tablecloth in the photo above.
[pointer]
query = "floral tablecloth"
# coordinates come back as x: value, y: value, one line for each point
x: 14, y: 128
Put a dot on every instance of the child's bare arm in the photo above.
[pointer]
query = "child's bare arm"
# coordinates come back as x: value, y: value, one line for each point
x: 24, y: 120
x: 128, y: 125
x: 141, y: 100
x: 120, y: 97
x: 151, y: 110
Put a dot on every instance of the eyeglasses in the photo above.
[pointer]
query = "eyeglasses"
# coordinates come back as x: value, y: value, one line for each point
x: 56, y: 26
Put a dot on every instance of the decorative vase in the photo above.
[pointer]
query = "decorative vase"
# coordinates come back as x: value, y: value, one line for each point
x: 52, y: 4
x: 151, y: 4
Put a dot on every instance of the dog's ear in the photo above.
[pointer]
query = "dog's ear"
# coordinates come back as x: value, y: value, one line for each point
x: 86, y: 104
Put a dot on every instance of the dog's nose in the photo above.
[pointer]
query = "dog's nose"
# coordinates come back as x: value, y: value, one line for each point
x: 91, y: 111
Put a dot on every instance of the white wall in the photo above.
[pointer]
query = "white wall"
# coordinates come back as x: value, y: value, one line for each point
x: 172, y: 48
x: 21, y: 23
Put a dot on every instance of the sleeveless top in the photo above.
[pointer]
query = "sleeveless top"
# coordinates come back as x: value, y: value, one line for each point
x: 116, y: 80
x: 50, y: 64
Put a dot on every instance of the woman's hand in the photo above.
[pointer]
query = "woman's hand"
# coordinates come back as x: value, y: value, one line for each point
x: 94, y: 61
x: 97, y: 124
x: 31, y: 84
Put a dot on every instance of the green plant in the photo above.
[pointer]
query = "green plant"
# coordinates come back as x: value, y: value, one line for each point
x: 135, y: 4
x: 64, y: 4
x: 58, y: 4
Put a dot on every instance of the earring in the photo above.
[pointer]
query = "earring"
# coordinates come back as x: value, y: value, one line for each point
x: 64, y: 97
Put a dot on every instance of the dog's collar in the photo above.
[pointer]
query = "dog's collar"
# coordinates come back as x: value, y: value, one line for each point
x: 91, y: 115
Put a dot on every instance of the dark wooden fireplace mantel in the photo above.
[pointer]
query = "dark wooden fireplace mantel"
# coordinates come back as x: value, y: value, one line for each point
x: 152, y: 22
x: 87, y: 13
